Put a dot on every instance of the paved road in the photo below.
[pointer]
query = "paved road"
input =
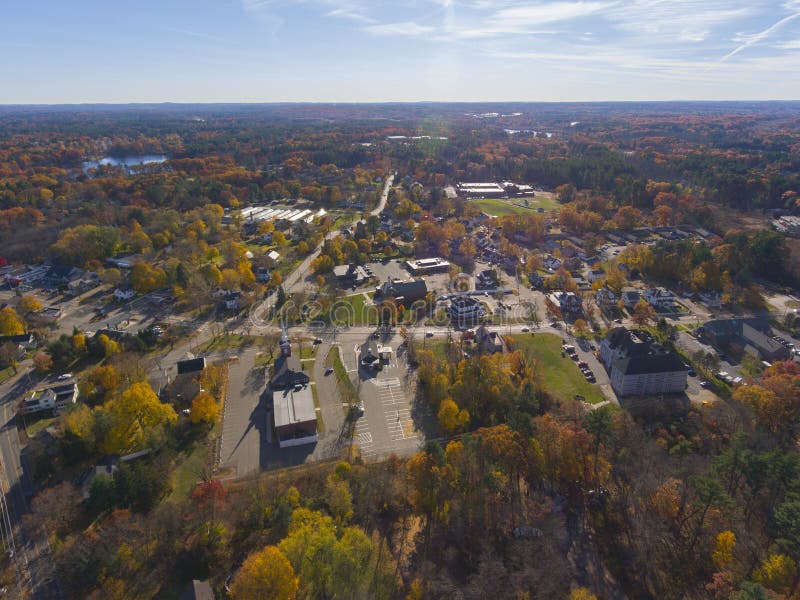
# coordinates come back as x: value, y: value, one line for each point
x: 31, y: 550
x: 244, y: 427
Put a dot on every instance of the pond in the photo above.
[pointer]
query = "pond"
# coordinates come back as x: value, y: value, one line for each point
x: 128, y: 163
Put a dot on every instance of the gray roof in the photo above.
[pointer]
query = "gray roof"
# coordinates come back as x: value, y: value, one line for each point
x: 409, y: 290
x: 287, y: 372
x: 293, y: 405
x: 193, y: 365
x: 667, y: 362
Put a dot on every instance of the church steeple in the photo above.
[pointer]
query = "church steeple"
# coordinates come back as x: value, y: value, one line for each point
x: 286, y: 346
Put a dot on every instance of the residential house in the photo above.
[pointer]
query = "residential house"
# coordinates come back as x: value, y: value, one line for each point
x: 466, y: 309
x: 191, y: 365
x: 596, y: 274
x: 488, y: 342
x: 51, y: 398
x: 605, y: 298
x: 347, y: 275
x: 712, y: 299
x: 551, y: 263
x: 660, y: 298
x: 568, y: 303
x: 630, y: 298
x: 58, y: 275
x: 263, y: 275
x: 233, y: 300
x: 124, y: 293
x: 287, y: 370
x: 46, y: 316
x: 23, y: 342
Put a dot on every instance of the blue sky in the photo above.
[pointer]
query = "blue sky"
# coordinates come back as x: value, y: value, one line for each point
x: 359, y: 50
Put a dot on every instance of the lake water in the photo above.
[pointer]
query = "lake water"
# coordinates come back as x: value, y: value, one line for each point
x: 126, y: 162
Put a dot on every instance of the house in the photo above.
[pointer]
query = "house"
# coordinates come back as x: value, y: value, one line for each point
x: 347, y: 275
x: 464, y: 309
x: 23, y: 341
x: 596, y: 274
x: 273, y: 256
x: 233, y: 300
x: 568, y: 303
x: 488, y: 342
x: 536, y: 281
x: 106, y: 467
x: 295, y: 417
x: 58, y: 275
x: 52, y: 398
x: 605, y: 298
x: 638, y: 366
x: 263, y: 275
x: 405, y: 292
x: 630, y: 298
x: 739, y: 336
x: 660, y: 298
x: 712, y: 299
x: 551, y: 263
x: 46, y: 316
x: 124, y: 293
x: 198, y: 590
x: 425, y: 266
x: 486, y: 279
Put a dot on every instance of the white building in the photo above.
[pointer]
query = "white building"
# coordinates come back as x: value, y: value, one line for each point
x: 122, y: 294
x: 466, y: 309
x: 659, y: 298
x: 53, y: 398
x: 428, y: 265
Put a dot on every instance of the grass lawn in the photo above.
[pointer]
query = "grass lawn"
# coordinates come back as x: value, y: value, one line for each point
x: 562, y: 377
x: 189, y: 470
x: 6, y: 374
x: 516, y: 206
x: 355, y: 310
x: 230, y: 340
x: 347, y: 389
x: 500, y: 208
x: 36, y: 423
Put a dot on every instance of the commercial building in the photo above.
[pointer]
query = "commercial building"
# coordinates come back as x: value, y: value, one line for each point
x: 638, y: 366
x: 481, y: 190
x: 425, y: 266
x: 744, y: 336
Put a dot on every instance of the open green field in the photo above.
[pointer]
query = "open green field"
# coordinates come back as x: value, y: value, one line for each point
x: 502, y: 208
x: 562, y: 377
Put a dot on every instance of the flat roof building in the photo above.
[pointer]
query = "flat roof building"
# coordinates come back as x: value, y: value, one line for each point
x: 427, y: 265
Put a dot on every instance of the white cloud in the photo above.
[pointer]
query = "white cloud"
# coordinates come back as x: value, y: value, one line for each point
x: 750, y: 40
x: 405, y: 28
x: 790, y: 45
x: 524, y: 16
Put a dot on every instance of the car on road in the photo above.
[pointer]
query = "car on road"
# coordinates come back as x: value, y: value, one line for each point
x: 691, y: 373
x: 555, y: 324
x: 428, y: 334
x: 65, y: 377
x: 703, y: 384
x: 317, y: 341
x: 328, y: 371
x: 525, y: 330
x: 617, y: 320
x: 582, y: 364
x: 358, y: 408
x: 376, y: 335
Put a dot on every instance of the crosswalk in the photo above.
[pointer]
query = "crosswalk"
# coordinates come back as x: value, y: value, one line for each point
x: 364, y: 438
x: 396, y: 409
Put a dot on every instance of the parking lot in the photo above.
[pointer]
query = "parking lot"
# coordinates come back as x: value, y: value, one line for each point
x: 387, y: 425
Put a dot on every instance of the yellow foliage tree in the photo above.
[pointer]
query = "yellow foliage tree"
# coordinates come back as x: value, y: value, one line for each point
x: 110, y: 347
x: 722, y: 555
x: 776, y: 572
x: 451, y: 419
x: 268, y: 575
x: 79, y: 342
x: 10, y: 322
x: 204, y: 409
x: 137, y: 411
x: 581, y: 594
x: 29, y: 304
